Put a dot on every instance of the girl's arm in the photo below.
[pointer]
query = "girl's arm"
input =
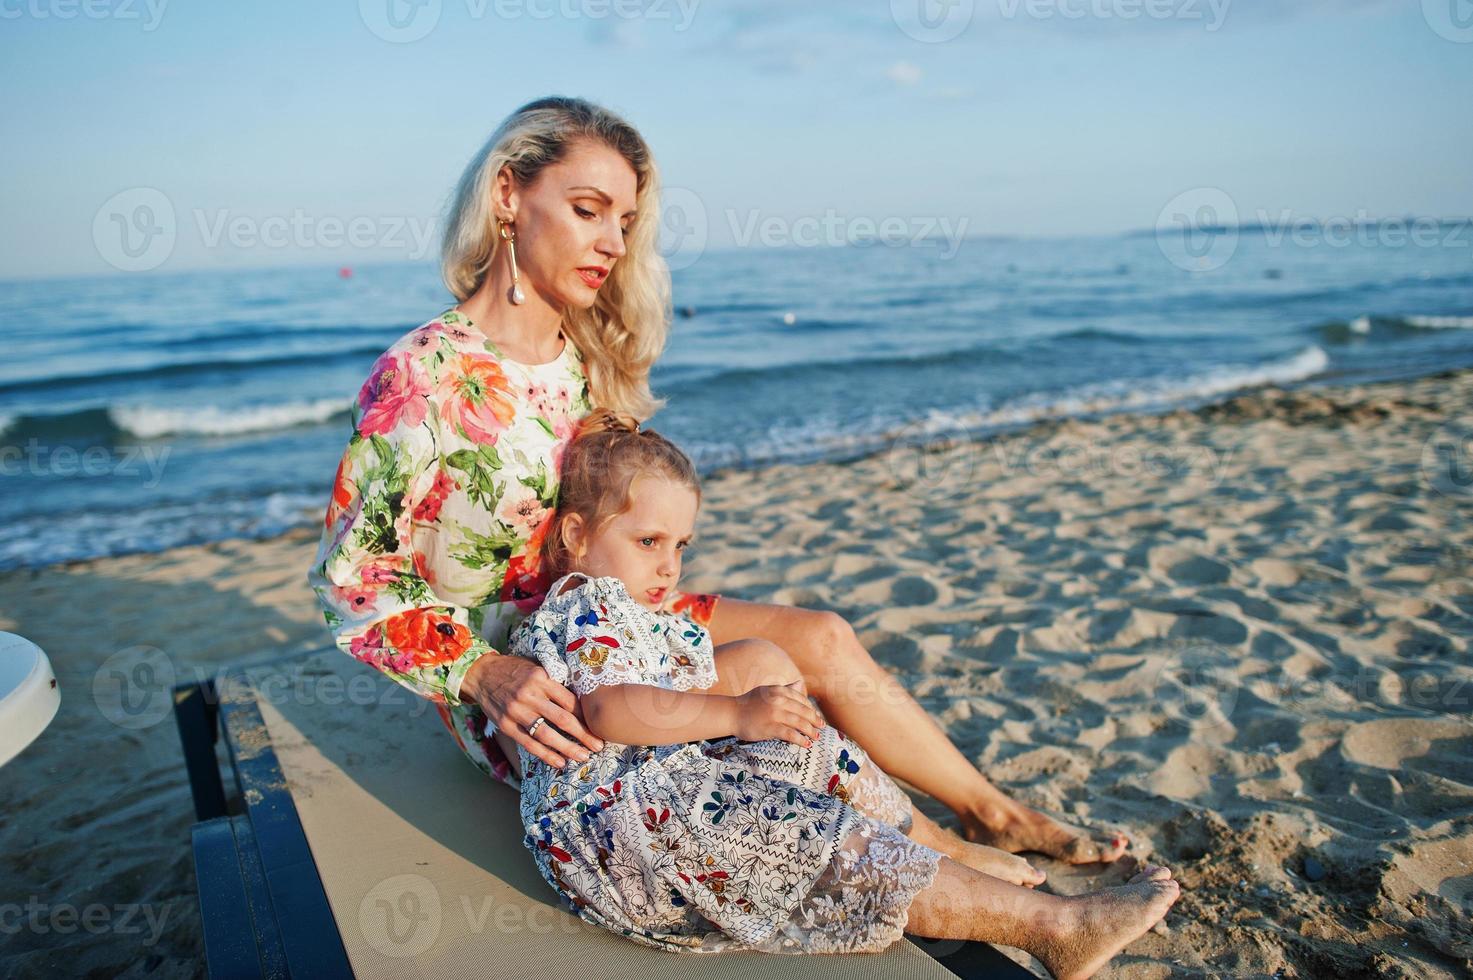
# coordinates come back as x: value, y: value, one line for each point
x: 640, y: 714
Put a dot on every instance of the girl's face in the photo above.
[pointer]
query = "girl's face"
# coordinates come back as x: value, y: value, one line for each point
x: 571, y: 221
x: 643, y: 546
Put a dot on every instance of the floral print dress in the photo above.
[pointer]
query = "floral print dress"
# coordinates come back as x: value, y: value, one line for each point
x: 428, y: 555
x: 717, y: 844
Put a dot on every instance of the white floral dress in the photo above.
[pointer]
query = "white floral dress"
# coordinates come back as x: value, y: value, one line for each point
x: 717, y: 844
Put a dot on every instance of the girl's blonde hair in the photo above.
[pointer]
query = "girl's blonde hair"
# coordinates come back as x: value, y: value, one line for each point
x: 607, y: 451
x: 623, y: 333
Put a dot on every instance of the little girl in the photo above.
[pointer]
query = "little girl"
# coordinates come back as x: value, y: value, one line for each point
x: 723, y: 812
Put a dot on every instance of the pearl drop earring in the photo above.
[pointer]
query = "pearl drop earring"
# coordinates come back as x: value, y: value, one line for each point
x: 509, y: 235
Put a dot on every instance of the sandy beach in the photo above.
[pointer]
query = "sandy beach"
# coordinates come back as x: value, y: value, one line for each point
x: 1240, y: 632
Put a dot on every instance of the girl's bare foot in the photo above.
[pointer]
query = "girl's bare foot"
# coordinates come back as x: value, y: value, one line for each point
x: 1092, y: 928
x: 1013, y: 827
x: 999, y: 864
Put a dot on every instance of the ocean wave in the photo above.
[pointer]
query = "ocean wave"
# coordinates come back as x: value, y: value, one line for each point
x: 45, y: 539
x: 120, y: 422
x: 1389, y: 327
x: 158, y: 372
x: 822, y: 440
x: 149, y: 423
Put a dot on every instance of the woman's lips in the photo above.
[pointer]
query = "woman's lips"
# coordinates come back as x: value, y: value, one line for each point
x: 593, y: 277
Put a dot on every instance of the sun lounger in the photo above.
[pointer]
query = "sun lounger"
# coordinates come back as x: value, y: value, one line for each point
x: 355, y: 840
x: 29, y: 698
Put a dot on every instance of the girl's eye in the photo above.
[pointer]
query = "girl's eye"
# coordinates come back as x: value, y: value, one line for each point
x: 647, y: 542
x: 583, y: 212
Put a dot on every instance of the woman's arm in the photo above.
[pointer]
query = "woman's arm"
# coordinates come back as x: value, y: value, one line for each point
x: 368, y: 578
x: 641, y: 714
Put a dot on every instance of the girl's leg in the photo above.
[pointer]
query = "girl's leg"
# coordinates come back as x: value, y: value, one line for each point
x: 989, y: 860
x: 754, y: 662
x: 860, y: 697
x: 1073, y: 937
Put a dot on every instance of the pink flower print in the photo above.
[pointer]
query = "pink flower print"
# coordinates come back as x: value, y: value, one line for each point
x: 562, y: 431
x: 382, y: 571
x: 369, y: 647
x: 520, y: 508
x: 358, y: 598
x: 475, y: 397
x: 346, y: 520
x: 426, y: 337
x: 395, y: 393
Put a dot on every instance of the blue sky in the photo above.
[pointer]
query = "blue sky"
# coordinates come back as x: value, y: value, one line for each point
x: 1039, y: 117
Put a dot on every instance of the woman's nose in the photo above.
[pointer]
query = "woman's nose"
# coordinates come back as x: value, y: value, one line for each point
x: 613, y: 244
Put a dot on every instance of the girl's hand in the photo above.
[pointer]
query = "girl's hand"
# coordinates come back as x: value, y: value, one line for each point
x: 777, y: 711
x: 513, y: 691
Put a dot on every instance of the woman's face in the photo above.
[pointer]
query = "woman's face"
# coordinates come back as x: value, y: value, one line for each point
x: 570, y: 224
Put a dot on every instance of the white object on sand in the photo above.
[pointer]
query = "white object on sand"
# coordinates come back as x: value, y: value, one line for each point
x: 28, y: 694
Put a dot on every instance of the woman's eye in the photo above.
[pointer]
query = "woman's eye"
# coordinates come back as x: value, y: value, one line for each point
x: 583, y: 212
x: 647, y: 542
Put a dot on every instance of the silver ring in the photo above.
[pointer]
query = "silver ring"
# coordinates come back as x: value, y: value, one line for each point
x: 532, y: 728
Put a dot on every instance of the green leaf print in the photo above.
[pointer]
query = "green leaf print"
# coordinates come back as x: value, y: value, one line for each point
x: 376, y: 532
x: 538, y: 484
x: 485, y: 550
x: 546, y: 425
x: 480, y: 466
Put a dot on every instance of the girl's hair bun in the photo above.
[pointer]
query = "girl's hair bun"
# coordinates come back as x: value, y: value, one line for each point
x: 607, y: 420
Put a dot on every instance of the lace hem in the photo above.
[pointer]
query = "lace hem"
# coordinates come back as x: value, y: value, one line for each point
x: 861, y: 902
x: 873, y: 793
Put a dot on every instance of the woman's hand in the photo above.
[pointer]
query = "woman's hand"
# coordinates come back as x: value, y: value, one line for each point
x: 777, y: 711
x: 513, y: 691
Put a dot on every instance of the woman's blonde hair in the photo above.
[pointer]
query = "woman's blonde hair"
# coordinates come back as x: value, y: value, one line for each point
x: 605, y: 454
x: 625, y: 330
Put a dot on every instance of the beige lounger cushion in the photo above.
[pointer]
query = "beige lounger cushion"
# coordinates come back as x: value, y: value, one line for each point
x: 399, y: 822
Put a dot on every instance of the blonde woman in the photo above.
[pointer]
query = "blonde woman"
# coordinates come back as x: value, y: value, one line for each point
x: 428, y: 556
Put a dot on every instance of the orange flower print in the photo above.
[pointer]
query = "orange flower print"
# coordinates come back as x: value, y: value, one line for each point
x: 427, y: 637
x: 475, y: 397
x: 698, y: 607
x: 525, y: 583
x: 343, y: 492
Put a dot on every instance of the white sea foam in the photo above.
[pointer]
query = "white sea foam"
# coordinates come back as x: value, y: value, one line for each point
x: 1441, y: 322
x: 149, y: 422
